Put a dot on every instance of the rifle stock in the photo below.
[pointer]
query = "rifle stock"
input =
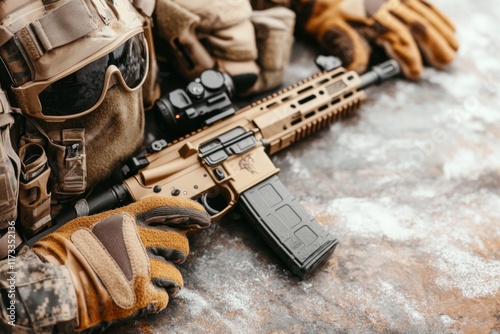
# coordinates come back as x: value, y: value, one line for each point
x: 229, y: 162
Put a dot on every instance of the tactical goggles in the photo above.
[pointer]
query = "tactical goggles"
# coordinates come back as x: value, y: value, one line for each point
x: 83, y: 90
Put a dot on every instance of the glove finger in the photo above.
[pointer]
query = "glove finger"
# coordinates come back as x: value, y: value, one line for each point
x: 167, y: 244
x: 435, y: 47
x: 233, y: 43
x: 186, y: 215
x: 274, y: 37
x: 177, y: 26
x: 165, y: 276
x: 343, y: 41
x: 217, y: 14
x: 425, y: 8
x: 235, y: 52
x: 399, y: 44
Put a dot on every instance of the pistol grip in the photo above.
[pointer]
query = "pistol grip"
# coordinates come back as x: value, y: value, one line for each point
x: 300, y: 241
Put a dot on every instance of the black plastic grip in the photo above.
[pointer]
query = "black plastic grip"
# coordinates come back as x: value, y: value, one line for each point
x: 109, y: 199
x: 300, y: 241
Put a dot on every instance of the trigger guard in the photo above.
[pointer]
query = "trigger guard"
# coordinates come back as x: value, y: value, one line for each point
x: 204, y: 201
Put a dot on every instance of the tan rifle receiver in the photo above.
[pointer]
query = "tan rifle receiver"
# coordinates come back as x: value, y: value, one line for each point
x: 228, y: 163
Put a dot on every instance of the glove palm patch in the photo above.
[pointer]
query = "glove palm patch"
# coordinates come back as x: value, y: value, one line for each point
x: 107, y: 247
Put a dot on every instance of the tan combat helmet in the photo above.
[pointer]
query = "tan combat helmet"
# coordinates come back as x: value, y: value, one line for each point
x: 55, y: 52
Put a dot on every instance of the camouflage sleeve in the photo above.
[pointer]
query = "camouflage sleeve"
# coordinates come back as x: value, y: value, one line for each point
x: 35, y: 297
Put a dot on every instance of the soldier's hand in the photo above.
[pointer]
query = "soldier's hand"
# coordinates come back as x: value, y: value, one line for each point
x: 109, y: 266
x: 252, y: 46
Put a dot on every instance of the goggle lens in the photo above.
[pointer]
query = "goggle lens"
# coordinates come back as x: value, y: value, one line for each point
x: 82, y: 89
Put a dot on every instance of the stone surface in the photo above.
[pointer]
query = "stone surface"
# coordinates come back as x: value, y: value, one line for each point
x: 410, y: 186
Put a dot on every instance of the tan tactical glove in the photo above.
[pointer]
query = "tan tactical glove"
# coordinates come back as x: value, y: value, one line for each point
x: 102, y: 268
x: 253, y: 47
x: 410, y: 31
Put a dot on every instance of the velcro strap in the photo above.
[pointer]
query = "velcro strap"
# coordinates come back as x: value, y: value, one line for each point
x: 65, y: 24
x: 58, y: 27
x: 74, y: 173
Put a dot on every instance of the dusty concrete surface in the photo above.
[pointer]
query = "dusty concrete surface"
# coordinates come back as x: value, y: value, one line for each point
x: 411, y: 188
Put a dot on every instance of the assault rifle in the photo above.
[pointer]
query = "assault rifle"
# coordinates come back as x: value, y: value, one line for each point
x: 227, y: 162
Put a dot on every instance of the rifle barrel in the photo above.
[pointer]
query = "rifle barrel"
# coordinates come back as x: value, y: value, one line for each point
x: 380, y: 73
